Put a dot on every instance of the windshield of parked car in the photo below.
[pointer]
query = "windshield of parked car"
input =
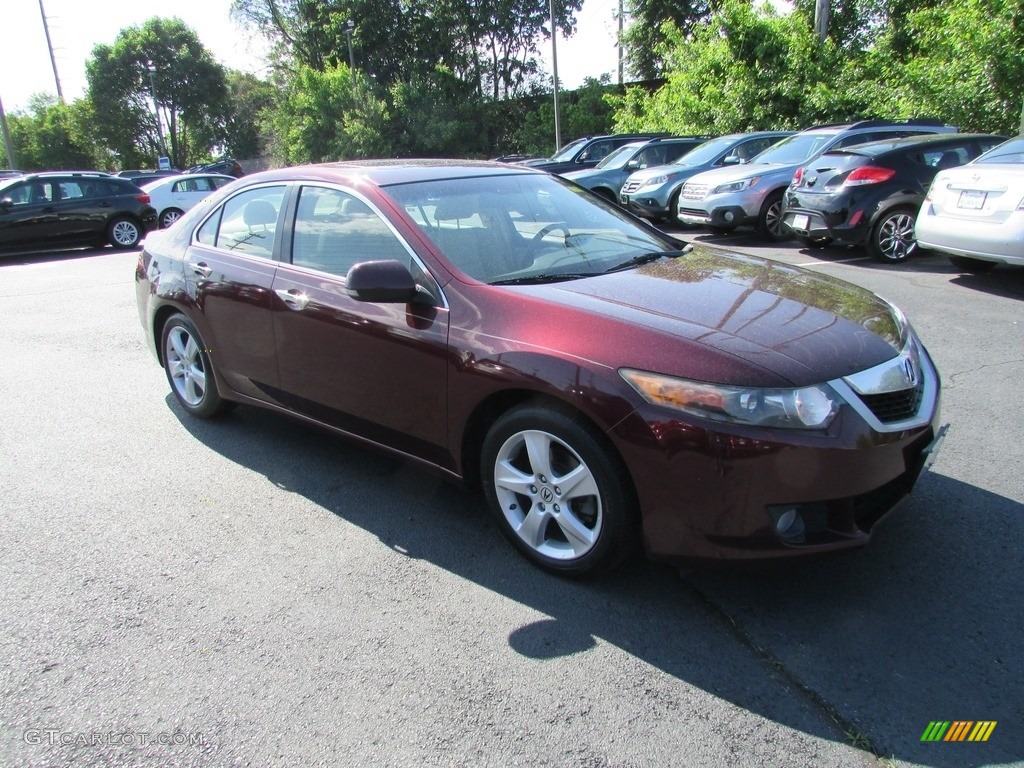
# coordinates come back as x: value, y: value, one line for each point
x: 526, y: 228
x: 619, y: 157
x: 706, y: 152
x: 1011, y: 151
x: 798, y: 148
x: 568, y: 152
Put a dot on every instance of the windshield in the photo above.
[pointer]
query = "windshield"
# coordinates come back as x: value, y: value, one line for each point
x: 525, y: 228
x: 795, y: 150
x: 707, y: 151
x: 1011, y: 151
x: 568, y: 152
x: 619, y: 157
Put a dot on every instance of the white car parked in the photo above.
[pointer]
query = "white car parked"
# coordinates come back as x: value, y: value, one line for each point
x: 975, y: 213
x: 173, y: 195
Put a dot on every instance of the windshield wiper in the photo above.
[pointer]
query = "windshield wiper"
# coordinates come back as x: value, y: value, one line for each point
x: 647, y: 258
x: 545, y: 277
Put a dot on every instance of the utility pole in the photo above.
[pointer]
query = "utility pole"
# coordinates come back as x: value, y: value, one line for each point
x: 348, y: 28
x: 8, y: 145
x: 554, y: 67
x: 822, y: 8
x: 618, y: 41
x: 49, y: 47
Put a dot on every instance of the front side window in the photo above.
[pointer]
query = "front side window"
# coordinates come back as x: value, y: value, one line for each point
x: 335, y: 230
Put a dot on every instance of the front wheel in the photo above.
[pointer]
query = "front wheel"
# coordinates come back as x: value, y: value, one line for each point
x: 558, y: 491
x: 189, y: 370
x: 892, y: 239
x: 769, y: 221
x: 123, y: 233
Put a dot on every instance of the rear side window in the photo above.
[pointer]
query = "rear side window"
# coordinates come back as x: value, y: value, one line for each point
x: 940, y: 159
x: 247, y: 223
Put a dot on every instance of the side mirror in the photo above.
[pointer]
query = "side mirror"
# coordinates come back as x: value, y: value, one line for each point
x: 6, y: 203
x: 731, y: 160
x: 382, y: 282
x: 634, y: 164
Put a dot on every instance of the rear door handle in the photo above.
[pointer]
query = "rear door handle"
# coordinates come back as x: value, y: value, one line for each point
x: 201, y: 268
x: 293, y: 299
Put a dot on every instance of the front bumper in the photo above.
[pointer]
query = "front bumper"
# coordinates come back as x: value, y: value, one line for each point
x: 723, y: 211
x: 713, y: 491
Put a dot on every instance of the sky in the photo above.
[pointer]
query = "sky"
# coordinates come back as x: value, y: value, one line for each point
x: 78, y: 25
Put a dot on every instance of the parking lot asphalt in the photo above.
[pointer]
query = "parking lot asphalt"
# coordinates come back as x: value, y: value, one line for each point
x: 253, y: 592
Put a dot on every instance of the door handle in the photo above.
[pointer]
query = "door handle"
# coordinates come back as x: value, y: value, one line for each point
x: 293, y: 299
x: 201, y: 268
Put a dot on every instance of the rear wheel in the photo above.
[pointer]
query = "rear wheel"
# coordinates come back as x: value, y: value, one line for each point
x: 169, y: 216
x: 559, y: 492
x: 769, y: 221
x: 189, y: 370
x: 123, y: 233
x: 892, y: 239
x: 967, y: 264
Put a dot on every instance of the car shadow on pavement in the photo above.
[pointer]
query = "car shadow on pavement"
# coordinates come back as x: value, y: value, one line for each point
x: 865, y: 648
x: 15, y: 258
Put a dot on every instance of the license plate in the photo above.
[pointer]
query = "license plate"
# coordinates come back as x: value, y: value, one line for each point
x: 623, y: 199
x: 800, y: 221
x: 971, y: 199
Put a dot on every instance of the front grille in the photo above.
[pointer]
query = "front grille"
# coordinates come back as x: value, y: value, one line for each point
x: 630, y: 186
x: 695, y: 191
x: 699, y: 212
x: 889, y: 407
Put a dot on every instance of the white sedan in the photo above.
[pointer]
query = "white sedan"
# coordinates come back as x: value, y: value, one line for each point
x: 975, y: 213
x: 173, y: 195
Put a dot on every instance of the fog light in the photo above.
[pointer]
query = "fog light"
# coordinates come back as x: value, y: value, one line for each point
x: 789, y: 525
x: 728, y: 216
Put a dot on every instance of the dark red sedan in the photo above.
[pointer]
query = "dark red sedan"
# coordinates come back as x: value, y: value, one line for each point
x: 605, y: 384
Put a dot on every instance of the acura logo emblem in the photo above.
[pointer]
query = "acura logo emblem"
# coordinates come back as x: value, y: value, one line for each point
x: 911, y: 373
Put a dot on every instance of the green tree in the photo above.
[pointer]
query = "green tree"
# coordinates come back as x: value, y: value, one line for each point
x: 646, y: 36
x: 249, y: 98
x: 191, y: 93
x: 55, y: 136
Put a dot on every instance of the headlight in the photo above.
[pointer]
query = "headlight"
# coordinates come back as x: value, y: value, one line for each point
x: 804, y: 408
x: 656, y: 181
x: 736, y: 186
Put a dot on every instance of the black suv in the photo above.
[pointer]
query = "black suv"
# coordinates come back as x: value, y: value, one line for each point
x: 53, y: 209
x: 587, y: 151
x: 869, y: 194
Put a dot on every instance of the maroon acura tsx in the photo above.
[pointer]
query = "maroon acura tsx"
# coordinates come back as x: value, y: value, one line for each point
x: 606, y: 385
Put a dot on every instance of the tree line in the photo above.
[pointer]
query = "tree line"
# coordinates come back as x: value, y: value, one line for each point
x: 461, y: 78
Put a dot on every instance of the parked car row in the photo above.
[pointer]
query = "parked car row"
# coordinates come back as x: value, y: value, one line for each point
x: 77, y: 208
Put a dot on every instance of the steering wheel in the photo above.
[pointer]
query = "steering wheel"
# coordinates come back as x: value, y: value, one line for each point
x: 549, y: 228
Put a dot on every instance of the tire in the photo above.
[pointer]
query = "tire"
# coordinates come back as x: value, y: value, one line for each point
x: 189, y: 370
x: 529, y: 456
x: 817, y: 243
x: 170, y: 216
x: 124, y: 233
x: 974, y: 266
x: 606, y: 194
x: 892, y: 238
x: 769, y: 220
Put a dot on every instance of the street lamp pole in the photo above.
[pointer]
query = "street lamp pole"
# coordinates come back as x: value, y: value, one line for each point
x: 348, y: 28
x: 156, y: 108
x: 554, y: 68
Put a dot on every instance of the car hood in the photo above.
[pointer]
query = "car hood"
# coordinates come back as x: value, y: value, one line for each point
x: 758, y: 320
x: 730, y: 173
x: 590, y: 174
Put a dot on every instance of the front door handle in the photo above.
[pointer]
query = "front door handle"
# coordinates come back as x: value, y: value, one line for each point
x: 293, y: 299
x: 201, y: 268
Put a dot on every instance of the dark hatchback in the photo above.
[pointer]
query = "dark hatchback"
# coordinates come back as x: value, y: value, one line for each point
x: 46, y: 210
x: 869, y: 194
x: 604, y: 383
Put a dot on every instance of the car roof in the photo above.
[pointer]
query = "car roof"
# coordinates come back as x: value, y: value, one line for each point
x: 885, y: 146
x: 399, y: 171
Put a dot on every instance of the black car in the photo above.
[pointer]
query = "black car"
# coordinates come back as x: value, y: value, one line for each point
x: 869, y: 194
x: 228, y: 166
x: 74, y: 208
x: 587, y: 151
